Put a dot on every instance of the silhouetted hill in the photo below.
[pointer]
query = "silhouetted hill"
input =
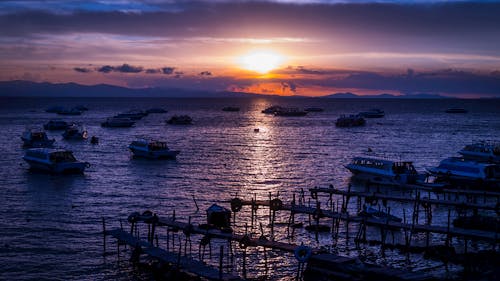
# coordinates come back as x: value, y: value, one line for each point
x: 33, y: 89
x: 383, y: 96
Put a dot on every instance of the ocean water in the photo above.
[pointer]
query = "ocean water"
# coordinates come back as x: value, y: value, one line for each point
x: 50, y: 226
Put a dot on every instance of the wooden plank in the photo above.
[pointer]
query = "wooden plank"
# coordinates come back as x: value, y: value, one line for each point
x: 187, y: 264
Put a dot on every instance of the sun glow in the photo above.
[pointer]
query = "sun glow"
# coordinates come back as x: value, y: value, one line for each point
x: 261, y: 61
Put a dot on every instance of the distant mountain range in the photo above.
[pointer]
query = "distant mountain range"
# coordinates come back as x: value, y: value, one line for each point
x: 21, y: 88
x: 384, y: 96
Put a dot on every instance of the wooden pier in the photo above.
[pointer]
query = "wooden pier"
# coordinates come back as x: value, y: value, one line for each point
x: 318, y: 262
x: 321, y: 213
x: 183, y: 263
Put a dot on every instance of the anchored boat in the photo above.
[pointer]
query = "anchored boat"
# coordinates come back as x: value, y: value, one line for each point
x: 482, y: 152
x: 459, y: 171
x: 402, y: 172
x: 36, y: 138
x: 152, y: 149
x: 74, y: 132
x: 373, y: 113
x: 54, y: 161
x: 117, y: 122
x: 55, y: 124
x: 350, y: 121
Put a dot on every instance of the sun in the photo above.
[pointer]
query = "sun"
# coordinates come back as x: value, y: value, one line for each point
x: 261, y: 61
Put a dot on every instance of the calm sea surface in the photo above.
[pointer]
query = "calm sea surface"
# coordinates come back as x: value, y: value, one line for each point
x: 50, y: 225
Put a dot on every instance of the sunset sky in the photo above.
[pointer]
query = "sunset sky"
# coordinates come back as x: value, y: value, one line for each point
x: 273, y: 47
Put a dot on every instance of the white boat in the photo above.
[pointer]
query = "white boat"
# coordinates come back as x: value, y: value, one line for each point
x: 55, y: 124
x: 156, y: 110
x: 180, y: 120
x: 459, y: 171
x: 401, y: 172
x: 482, y: 152
x: 54, y: 161
x: 272, y: 109
x: 152, y: 149
x: 456, y: 110
x: 132, y: 114
x: 117, y: 122
x: 373, y: 113
x: 72, y: 111
x: 74, y: 132
x: 290, y: 112
x: 350, y: 121
x: 36, y: 138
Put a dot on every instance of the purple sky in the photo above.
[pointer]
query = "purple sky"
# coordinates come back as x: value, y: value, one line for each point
x: 402, y: 47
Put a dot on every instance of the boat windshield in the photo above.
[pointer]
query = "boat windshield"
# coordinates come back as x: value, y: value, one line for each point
x: 370, y: 163
x: 62, y: 156
x: 403, y: 168
x: 157, y: 146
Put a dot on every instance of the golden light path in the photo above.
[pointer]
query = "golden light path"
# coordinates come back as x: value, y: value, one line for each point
x: 261, y: 61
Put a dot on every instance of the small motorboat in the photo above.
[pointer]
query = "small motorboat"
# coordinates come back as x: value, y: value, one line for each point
x: 117, y: 122
x: 180, y: 120
x: 314, y: 109
x: 290, y: 112
x: 350, y: 121
x: 55, y: 124
x: 231, y: 109
x: 36, y: 138
x: 156, y: 110
x: 54, y: 109
x: 72, y: 111
x: 461, y: 172
x: 482, y: 152
x: 272, y: 109
x: 75, y: 132
x: 390, y: 172
x: 152, y: 149
x: 132, y: 114
x: 373, y: 113
x: 456, y: 110
x: 371, y: 212
x: 54, y: 161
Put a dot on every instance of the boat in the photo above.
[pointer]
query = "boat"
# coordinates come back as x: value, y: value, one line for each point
x: 132, y: 114
x: 350, y: 121
x: 81, y: 107
x: 290, y: 112
x: 72, y: 111
x: 369, y: 211
x: 456, y: 110
x: 156, y: 110
x: 231, y: 109
x: 54, y: 109
x: 462, y: 172
x: 54, y: 161
x: 118, y: 122
x: 373, y: 113
x: 152, y: 149
x: 55, y: 124
x: 75, y: 132
x: 180, y: 120
x: 396, y: 172
x: 36, y: 138
x: 482, y: 152
x: 314, y: 109
x: 272, y: 109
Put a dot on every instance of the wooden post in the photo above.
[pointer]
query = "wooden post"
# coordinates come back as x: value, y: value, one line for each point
x: 221, y: 257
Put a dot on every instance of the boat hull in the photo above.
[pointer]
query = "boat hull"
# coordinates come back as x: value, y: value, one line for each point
x: 170, y: 154
x: 58, y: 168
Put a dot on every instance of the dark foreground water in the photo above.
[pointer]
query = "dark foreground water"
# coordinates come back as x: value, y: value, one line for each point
x: 50, y: 225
